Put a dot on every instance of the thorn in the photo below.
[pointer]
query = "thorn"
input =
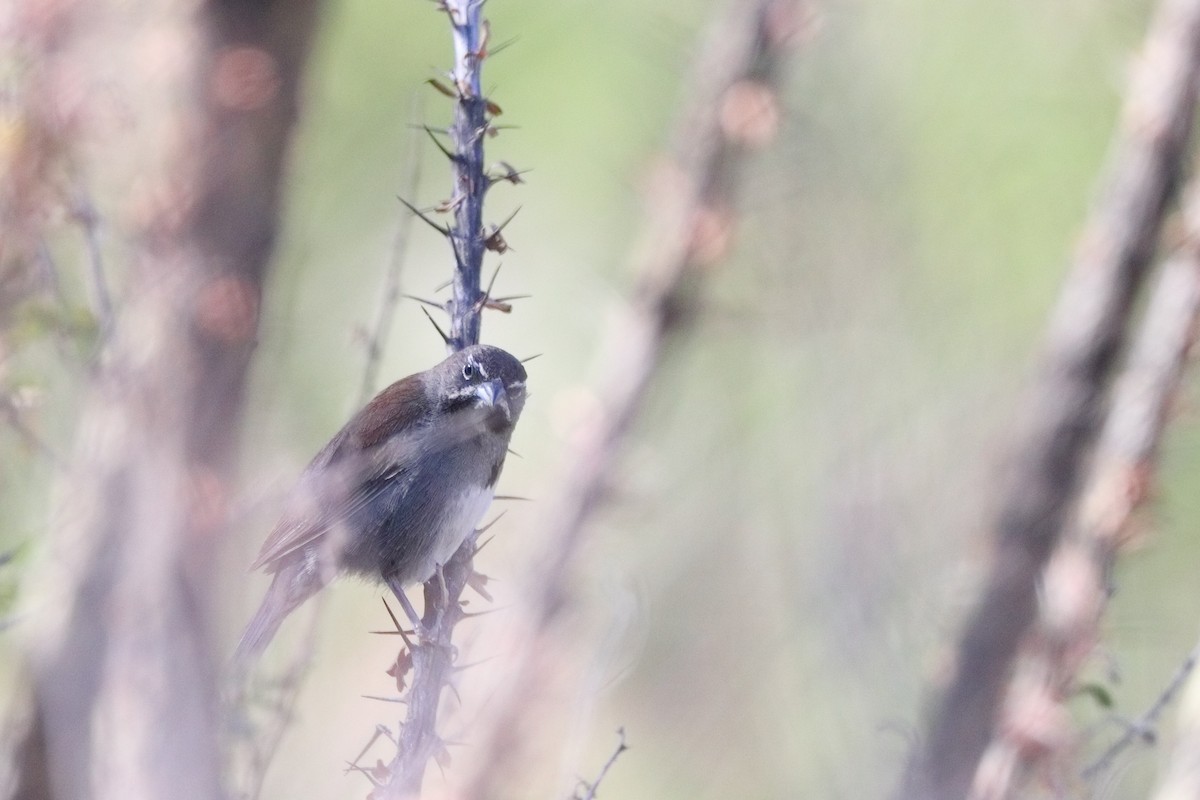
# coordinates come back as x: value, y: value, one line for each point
x: 473, y: 664
x: 443, y: 285
x: 507, y: 172
x: 459, y: 267
x: 399, y: 628
x: 482, y: 545
x: 430, y: 303
x: 484, y: 529
x: 486, y: 299
x: 383, y: 699
x: 488, y: 294
x: 504, y: 224
x: 493, y: 240
x: 484, y: 35
x: 484, y: 613
x: 478, y: 581
x: 365, y: 772
x: 512, y: 497
x: 504, y: 304
x: 444, y: 231
x: 437, y: 142
x: 443, y: 88
x: 492, y: 131
x: 507, y: 43
x: 499, y: 303
x: 527, y: 359
x: 441, y: 755
x: 515, y: 453
x: 436, y: 327
x: 352, y: 766
x: 464, y: 90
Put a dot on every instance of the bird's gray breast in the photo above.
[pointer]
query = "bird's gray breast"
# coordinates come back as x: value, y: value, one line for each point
x: 422, y: 514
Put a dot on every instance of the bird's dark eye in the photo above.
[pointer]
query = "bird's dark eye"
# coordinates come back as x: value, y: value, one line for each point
x: 468, y: 371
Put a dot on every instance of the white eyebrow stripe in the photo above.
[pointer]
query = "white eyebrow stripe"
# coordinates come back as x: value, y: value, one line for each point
x: 478, y: 366
x: 518, y: 384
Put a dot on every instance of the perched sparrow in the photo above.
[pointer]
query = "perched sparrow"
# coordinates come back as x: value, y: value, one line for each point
x: 398, y: 489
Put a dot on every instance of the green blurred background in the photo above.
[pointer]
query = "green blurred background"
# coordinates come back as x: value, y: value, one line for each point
x: 800, y: 520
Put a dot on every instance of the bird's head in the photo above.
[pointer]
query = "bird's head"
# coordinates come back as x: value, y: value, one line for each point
x: 481, y: 377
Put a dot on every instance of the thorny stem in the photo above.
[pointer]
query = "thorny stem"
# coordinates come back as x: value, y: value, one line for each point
x: 433, y: 656
x: 470, y: 180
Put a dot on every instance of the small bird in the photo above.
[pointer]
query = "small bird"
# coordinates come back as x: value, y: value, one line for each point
x: 397, y: 490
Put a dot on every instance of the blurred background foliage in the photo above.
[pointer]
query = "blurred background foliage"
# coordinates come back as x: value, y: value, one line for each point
x: 799, y: 523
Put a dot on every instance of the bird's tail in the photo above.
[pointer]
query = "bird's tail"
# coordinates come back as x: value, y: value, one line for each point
x: 280, y: 600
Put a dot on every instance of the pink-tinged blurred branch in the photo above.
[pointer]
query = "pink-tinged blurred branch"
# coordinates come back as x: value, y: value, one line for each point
x: 1064, y: 413
x: 124, y: 669
x: 1034, y: 723
x: 733, y: 107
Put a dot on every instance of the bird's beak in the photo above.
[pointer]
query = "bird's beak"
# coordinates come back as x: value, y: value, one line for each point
x: 492, y: 395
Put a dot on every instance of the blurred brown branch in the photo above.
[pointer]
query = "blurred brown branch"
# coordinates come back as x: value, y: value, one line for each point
x: 123, y: 665
x: 1034, y: 723
x: 1061, y: 421
x: 733, y: 107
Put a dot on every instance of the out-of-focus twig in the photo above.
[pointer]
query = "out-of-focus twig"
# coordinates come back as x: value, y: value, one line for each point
x: 733, y: 107
x: 1086, y: 334
x: 286, y: 691
x: 590, y: 789
x: 16, y: 420
x: 1181, y: 776
x: 1034, y: 723
x: 389, y: 297
x: 1144, y: 727
x: 83, y: 209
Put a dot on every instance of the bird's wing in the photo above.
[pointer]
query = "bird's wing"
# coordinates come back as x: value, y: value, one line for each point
x: 325, y: 495
x: 346, y: 476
